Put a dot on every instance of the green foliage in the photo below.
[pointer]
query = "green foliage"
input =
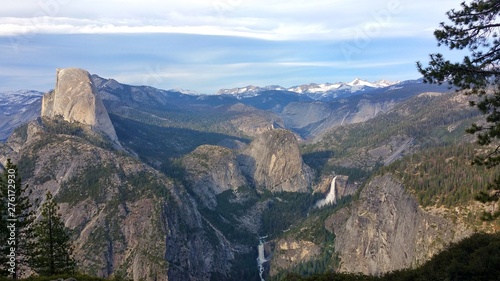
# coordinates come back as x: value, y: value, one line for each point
x: 58, y: 126
x: 161, y: 143
x: 286, y: 209
x: 93, y: 181
x: 50, y: 248
x: 174, y: 169
x: 442, y: 175
x: 228, y: 208
x: 330, y: 276
x: 142, y: 182
x: 22, y: 132
x: 26, y: 165
x: 325, y: 262
x: 16, y: 216
x: 283, y: 210
x: 484, y: 197
x: 89, y: 182
x: 474, y: 258
x: 473, y: 27
x: 488, y: 216
x: 319, y: 161
x: 201, y: 118
x: 420, y: 120
x: 244, y: 267
x: 312, y: 228
x: 231, y: 205
x: 77, y: 276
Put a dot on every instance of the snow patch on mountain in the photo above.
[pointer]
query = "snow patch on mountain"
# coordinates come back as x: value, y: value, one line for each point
x: 249, y: 91
x: 363, y: 83
x: 186, y: 92
x: 313, y: 90
x: 12, y: 102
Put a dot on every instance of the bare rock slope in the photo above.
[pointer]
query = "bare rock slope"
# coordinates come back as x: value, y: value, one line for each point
x: 386, y: 230
x: 212, y: 170
x: 75, y: 98
x: 128, y: 220
x: 273, y: 161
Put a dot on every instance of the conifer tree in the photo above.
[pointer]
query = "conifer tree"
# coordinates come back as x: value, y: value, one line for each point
x: 50, y: 247
x: 475, y: 28
x: 16, y: 216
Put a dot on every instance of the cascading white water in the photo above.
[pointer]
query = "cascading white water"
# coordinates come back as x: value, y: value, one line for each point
x: 261, y: 259
x: 330, y: 198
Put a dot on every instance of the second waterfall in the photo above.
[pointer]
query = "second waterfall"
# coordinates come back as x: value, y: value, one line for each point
x: 331, y: 197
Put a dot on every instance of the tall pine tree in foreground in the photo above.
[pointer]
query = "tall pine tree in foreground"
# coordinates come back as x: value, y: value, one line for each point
x: 50, y: 247
x: 474, y: 28
x: 16, y: 216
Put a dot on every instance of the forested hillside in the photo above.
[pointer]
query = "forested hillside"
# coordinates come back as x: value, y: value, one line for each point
x: 443, y: 176
x: 413, y: 125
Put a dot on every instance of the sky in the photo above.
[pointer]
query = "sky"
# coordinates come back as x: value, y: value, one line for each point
x: 207, y: 45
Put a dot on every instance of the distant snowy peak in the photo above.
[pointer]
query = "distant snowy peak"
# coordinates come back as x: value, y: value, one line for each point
x: 249, y: 91
x: 13, y: 102
x: 359, y: 82
x: 315, y: 88
x: 19, y: 97
x: 315, y: 91
x: 186, y: 92
x: 378, y: 84
x: 21, y: 93
x: 334, y: 90
x: 385, y: 83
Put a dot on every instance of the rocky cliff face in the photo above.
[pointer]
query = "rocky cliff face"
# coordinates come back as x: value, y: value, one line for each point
x: 312, y: 119
x: 131, y: 220
x: 211, y: 170
x: 386, y: 230
x: 252, y: 121
x: 75, y: 99
x: 367, y: 110
x: 273, y: 161
x: 290, y: 252
x: 128, y: 219
x: 342, y: 185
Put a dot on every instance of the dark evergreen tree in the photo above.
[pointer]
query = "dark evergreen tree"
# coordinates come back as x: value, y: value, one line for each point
x: 50, y: 247
x: 476, y: 28
x: 16, y: 216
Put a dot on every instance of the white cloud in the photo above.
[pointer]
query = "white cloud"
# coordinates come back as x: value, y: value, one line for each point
x: 48, y: 25
x: 271, y: 20
x: 299, y: 41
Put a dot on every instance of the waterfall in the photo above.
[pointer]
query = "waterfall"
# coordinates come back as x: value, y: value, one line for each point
x: 331, y: 197
x: 261, y: 259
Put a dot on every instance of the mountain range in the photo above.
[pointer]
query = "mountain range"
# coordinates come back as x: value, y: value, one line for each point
x: 324, y: 92
x: 18, y: 107
x: 162, y: 185
x: 14, y: 105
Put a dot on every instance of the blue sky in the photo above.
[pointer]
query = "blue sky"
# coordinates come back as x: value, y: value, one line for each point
x: 206, y: 45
